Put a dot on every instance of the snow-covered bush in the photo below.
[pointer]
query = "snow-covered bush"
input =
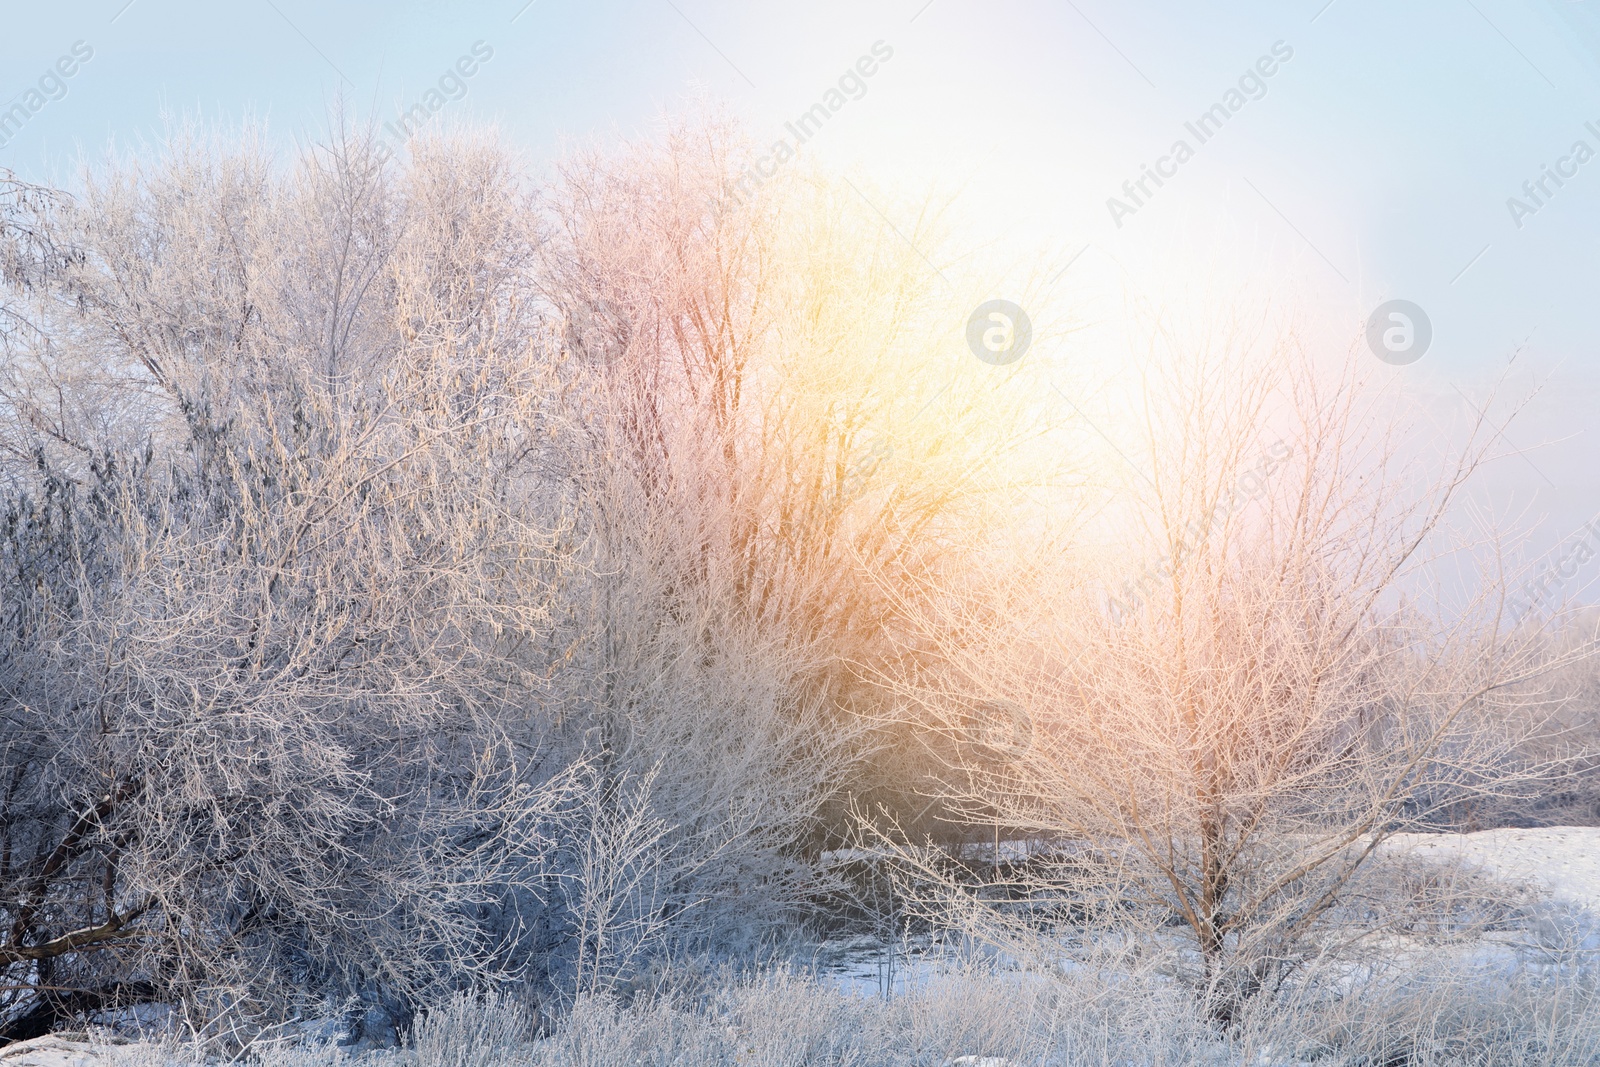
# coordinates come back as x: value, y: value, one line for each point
x: 418, y: 578
x: 1224, y: 752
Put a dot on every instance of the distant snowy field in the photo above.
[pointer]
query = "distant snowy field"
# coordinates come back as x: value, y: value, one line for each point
x: 1561, y: 863
x: 1562, y: 860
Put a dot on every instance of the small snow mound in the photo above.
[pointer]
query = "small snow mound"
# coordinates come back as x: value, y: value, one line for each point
x: 52, y: 1050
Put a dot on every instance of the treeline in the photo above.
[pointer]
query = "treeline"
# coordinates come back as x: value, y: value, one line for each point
x: 419, y: 577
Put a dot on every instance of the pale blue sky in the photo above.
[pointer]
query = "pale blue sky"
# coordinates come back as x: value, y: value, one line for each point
x: 1377, y: 164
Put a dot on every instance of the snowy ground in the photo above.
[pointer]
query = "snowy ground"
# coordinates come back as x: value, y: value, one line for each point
x: 1563, y: 860
x: 63, y: 1050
